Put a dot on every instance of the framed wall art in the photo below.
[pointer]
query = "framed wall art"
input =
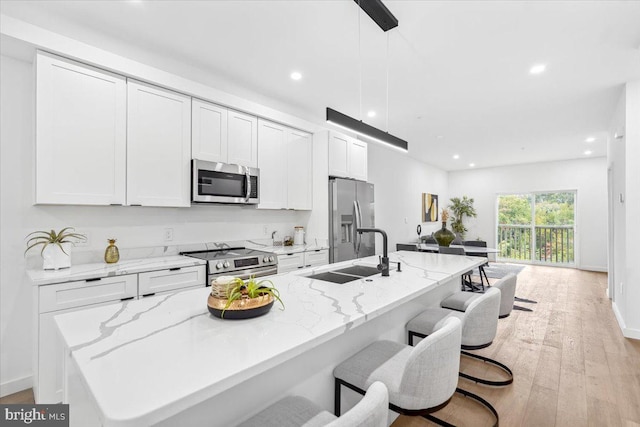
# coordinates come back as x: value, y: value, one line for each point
x: 429, y: 207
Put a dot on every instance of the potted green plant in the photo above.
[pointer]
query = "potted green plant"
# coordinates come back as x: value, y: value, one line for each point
x: 461, y: 207
x: 55, y: 246
x: 239, y: 299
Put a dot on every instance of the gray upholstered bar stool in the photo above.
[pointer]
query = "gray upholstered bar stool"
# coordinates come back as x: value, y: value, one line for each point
x: 420, y: 379
x: 296, y: 411
x: 459, y: 301
x: 479, y: 327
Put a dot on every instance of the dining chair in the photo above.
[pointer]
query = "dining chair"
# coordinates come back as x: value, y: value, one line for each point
x: 466, y: 277
x: 479, y: 244
x: 406, y: 247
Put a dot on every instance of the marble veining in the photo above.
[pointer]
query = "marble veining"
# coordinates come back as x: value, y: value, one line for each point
x: 170, y: 345
x: 98, y: 270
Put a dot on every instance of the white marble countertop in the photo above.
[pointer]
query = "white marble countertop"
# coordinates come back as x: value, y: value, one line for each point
x: 95, y: 270
x: 146, y: 360
x: 280, y: 250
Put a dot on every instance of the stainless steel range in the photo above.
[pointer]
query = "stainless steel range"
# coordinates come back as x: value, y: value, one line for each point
x: 238, y: 262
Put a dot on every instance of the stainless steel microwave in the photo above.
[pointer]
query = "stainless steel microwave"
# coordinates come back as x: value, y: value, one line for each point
x: 215, y: 182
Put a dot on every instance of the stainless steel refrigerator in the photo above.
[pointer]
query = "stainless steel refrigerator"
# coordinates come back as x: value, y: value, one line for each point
x: 351, y: 206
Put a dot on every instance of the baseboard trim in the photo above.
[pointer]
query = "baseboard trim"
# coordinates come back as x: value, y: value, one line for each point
x: 626, y: 332
x: 14, y: 386
x: 592, y: 268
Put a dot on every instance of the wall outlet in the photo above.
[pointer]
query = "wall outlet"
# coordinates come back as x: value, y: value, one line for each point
x: 168, y: 234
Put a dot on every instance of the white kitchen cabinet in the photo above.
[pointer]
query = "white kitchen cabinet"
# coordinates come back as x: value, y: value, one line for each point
x: 242, y: 139
x: 290, y: 261
x: 223, y: 135
x: 272, y: 159
x: 286, y: 165
x: 208, y: 132
x: 81, y: 116
x: 158, y: 146
x: 61, y: 298
x: 358, y: 160
x: 297, y: 260
x: 299, y: 170
x: 155, y: 282
x: 347, y: 156
x: 316, y: 257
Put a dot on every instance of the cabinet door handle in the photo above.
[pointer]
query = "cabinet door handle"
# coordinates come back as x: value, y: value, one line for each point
x: 317, y: 250
x: 148, y: 295
x: 290, y: 254
x: 175, y: 269
x: 308, y: 265
x: 126, y: 299
x: 301, y: 266
x: 95, y: 279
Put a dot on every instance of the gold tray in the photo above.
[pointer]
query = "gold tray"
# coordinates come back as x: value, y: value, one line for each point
x: 244, y: 308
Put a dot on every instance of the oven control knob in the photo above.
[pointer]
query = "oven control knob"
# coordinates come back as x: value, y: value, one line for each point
x: 226, y: 264
x: 218, y: 266
x: 271, y: 259
x: 265, y: 259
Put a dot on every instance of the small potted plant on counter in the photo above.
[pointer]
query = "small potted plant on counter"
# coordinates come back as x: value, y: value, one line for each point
x: 56, y: 246
x: 234, y: 298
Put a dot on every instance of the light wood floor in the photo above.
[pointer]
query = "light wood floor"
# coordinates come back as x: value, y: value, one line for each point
x: 571, y: 364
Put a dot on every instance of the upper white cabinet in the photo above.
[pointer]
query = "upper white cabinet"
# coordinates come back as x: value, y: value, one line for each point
x: 208, y: 132
x: 299, y: 169
x: 243, y: 139
x: 80, y: 133
x: 158, y: 146
x: 223, y: 135
x: 286, y: 165
x: 347, y: 156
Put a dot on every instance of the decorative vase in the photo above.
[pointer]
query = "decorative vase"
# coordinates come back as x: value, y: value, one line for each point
x: 444, y: 236
x: 56, y: 256
x: 111, y: 254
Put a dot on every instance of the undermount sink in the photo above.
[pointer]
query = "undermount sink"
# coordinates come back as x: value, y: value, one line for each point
x: 345, y: 275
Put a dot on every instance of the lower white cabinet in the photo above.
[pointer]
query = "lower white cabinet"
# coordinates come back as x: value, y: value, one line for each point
x: 60, y: 298
x: 154, y: 282
x: 295, y: 260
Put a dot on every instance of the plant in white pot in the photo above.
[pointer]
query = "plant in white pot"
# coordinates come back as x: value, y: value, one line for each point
x: 56, y: 247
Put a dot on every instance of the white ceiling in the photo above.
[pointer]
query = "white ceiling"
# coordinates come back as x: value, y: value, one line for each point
x: 459, y: 79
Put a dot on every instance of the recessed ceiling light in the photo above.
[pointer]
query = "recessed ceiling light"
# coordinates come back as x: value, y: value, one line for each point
x: 590, y: 139
x: 537, y: 69
x: 456, y: 156
x: 371, y: 114
x: 588, y: 152
x: 471, y: 165
x: 296, y: 75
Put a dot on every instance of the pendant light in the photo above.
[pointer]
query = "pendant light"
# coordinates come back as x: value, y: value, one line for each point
x: 386, y: 21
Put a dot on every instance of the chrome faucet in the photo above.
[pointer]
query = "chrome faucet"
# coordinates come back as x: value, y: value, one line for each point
x: 384, y: 259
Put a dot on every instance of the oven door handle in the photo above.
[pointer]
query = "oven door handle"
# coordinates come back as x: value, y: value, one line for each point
x: 248, y: 177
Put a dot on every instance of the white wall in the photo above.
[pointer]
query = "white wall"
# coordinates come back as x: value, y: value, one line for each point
x: 588, y: 177
x: 399, y: 183
x: 624, y: 161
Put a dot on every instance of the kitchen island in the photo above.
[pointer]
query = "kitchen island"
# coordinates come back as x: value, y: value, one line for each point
x: 166, y: 361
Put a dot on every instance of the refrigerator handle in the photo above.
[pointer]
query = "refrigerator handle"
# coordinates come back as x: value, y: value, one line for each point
x: 355, y: 226
x: 358, y: 225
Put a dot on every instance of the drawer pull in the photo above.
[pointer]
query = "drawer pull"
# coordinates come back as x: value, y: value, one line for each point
x: 126, y: 299
x: 290, y: 254
x: 308, y: 265
x: 175, y: 269
x: 301, y: 266
x: 95, y: 279
x: 148, y: 295
x: 317, y: 250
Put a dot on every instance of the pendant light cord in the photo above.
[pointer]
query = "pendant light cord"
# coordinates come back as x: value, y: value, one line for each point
x: 360, y: 58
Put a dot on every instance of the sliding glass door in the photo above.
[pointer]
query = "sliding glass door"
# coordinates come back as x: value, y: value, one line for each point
x: 537, y: 227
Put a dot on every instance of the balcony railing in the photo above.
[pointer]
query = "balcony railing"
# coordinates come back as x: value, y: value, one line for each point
x: 553, y: 244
